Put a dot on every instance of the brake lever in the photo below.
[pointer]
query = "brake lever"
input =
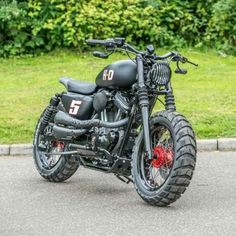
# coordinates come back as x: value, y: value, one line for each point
x: 192, y: 63
x: 100, y: 54
x: 178, y: 70
x: 185, y: 60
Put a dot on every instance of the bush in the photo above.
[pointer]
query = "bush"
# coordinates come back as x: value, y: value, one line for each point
x: 31, y: 26
x: 222, y: 26
x: 12, y: 27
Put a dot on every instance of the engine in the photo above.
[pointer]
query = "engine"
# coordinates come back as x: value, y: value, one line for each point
x: 110, y: 106
x: 104, y: 143
x: 105, y: 139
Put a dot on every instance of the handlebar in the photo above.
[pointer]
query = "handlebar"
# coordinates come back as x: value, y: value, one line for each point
x: 175, y: 56
x: 95, y: 41
x: 165, y: 56
x: 115, y: 43
x: 107, y: 42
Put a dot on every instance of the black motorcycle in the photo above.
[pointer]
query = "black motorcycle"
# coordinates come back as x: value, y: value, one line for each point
x: 109, y: 126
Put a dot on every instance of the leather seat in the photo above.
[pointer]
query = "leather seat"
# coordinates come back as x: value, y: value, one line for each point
x: 77, y: 86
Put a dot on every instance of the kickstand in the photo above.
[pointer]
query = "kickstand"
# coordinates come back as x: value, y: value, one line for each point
x: 124, y: 179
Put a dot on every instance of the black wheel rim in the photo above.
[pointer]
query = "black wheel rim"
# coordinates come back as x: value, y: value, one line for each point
x: 50, y: 161
x: 154, y: 173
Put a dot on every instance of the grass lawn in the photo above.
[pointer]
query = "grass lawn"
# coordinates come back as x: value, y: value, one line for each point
x: 206, y: 95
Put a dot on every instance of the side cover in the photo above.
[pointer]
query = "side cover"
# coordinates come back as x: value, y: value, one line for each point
x: 77, y: 105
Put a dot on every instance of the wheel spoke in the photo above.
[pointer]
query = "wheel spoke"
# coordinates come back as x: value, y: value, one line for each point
x: 155, y: 173
x: 52, y: 146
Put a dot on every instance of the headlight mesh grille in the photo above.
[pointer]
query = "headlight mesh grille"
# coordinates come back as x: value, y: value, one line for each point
x: 160, y: 73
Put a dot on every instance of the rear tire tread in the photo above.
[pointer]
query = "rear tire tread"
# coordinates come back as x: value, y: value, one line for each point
x: 66, y: 168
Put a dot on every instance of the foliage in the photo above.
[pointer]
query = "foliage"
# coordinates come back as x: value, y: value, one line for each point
x: 12, y: 24
x: 222, y: 26
x: 34, y: 26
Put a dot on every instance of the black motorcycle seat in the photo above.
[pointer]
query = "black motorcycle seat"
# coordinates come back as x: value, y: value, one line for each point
x: 77, y: 86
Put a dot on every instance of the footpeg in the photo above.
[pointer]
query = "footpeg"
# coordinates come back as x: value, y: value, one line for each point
x: 124, y: 179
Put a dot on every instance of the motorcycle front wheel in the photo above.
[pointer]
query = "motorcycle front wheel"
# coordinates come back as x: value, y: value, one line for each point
x: 161, y: 180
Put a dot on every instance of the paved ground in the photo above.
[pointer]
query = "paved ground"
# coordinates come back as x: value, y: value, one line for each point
x: 93, y: 203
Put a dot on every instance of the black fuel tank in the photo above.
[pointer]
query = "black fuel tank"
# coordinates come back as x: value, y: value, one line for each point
x: 120, y: 74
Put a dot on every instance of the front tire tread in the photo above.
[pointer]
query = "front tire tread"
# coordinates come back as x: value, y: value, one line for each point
x: 184, y: 164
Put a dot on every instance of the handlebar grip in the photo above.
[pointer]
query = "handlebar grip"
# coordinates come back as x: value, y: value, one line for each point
x: 95, y: 41
x: 165, y: 56
x: 107, y: 42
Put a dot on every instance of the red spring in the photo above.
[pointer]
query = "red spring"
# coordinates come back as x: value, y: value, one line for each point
x: 162, y: 157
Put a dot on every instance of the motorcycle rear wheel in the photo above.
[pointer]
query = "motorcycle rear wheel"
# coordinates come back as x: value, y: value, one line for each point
x: 162, y: 180
x: 56, y: 168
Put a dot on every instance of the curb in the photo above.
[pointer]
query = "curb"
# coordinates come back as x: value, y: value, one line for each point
x: 207, y: 145
x: 21, y: 149
x: 203, y: 145
x: 16, y: 150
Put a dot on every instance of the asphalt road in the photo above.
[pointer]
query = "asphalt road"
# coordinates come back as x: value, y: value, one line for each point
x: 93, y: 203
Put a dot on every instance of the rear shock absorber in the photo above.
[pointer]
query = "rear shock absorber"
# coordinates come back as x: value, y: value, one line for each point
x: 50, y: 110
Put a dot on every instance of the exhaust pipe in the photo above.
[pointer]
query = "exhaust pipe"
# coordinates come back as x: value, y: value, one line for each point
x: 64, y: 119
x: 61, y: 132
x: 80, y: 149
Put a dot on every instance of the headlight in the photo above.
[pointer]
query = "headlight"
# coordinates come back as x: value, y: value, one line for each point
x: 160, y: 73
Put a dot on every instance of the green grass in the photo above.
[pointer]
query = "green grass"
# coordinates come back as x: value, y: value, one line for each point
x: 206, y: 95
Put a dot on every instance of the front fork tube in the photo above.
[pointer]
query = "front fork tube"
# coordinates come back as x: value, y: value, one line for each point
x: 169, y: 99
x: 144, y: 106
